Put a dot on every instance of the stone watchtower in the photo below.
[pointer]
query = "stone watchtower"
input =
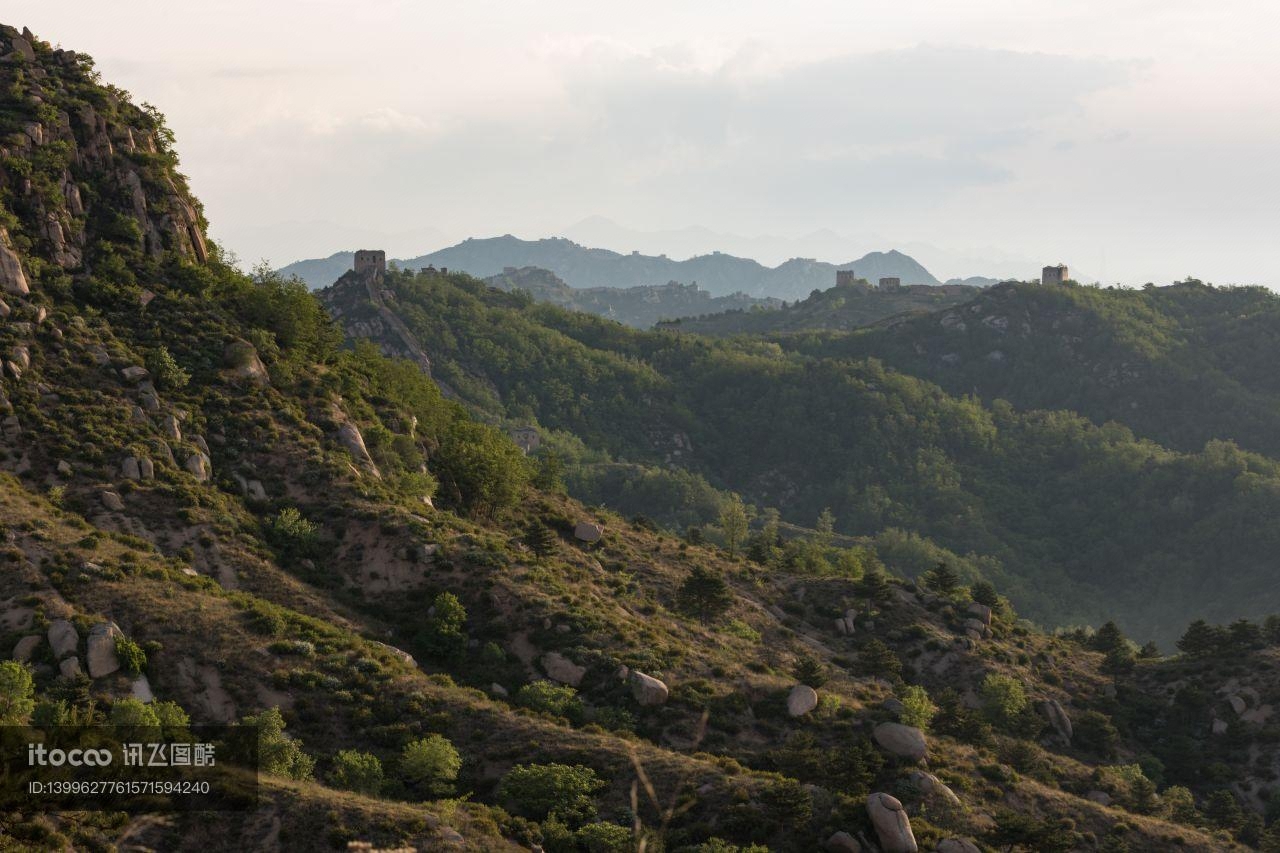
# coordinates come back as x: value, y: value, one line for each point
x: 890, y: 283
x: 370, y: 261
x: 1054, y: 275
x: 846, y: 278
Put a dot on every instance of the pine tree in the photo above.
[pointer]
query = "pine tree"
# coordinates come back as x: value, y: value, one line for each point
x: 541, y: 538
x: 811, y: 672
x: 826, y: 527
x: 942, y: 579
x: 1201, y: 639
x: 1109, y: 638
x: 733, y: 521
x: 984, y: 593
x: 705, y: 594
x: 875, y: 586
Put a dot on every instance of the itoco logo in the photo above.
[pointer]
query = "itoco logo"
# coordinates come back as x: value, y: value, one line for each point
x: 41, y: 756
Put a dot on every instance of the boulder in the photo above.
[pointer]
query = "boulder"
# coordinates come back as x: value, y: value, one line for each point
x: 112, y: 501
x: 63, y: 638
x: 957, y: 845
x: 498, y: 690
x: 1237, y: 704
x: 101, y: 650
x: 12, y: 279
x: 70, y: 668
x: 560, y: 668
x: 842, y: 842
x: 932, y: 787
x: 140, y: 689
x: 1052, y: 710
x: 1258, y: 716
x: 902, y: 741
x: 350, y: 438
x: 801, y: 700
x: 65, y: 469
x: 892, y: 826
x: 1102, y: 798
x: 146, y: 468
x: 587, y: 531
x: 26, y: 647
x: 171, y: 428
x: 199, y: 466
x: 893, y: 706
x: 129, y: 468
x: 1219, y: 726
x: 244, y: 365
x: 981, y: 612
x: 21, y: 356
x: 134, y: 373
x: 976, y: 626
x: 648, y: 690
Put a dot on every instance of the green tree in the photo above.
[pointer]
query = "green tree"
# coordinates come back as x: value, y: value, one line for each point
x: 430, y: 764
x: 1004, y: 699
x: 917, y: 708
x: 603, y: 838
x: 444, y: 635
x: 826, y: 527
x: 733, y: 523
x: 356, y: 771
x: 874, y: 586
x: 132, y: 658
x: 1178, y: 804
x: 984, y: 593
x: 479, y: 468
x: 538, y: 791
x: 17, y: 692
x: 1223, y: 811
x: 278, y: 753
x: 704, y: 594
x: 541, y: 538
x: 1109, y: 638
x: 942, y: 579
x: 811, y: 672
x: 133, y: 713
x: 166, y: 371
x: 1201, y: 639
x: 548, y: 475
x: 876, y: 658
x: 293, y: 535
x: 558, y: 699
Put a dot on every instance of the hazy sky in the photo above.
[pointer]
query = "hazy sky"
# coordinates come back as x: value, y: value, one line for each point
x: 1135, y: 140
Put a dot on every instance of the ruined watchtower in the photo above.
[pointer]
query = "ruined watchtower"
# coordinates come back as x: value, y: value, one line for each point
x: 890, y: 283
x: 1054, y: 275
x: 846, y: 278
x: 373, y: 261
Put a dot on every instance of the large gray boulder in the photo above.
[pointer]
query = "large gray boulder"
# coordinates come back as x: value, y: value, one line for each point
x: 933, y: 788
x: 586, y: 531
x: 842, y: 842
x: 647, y: 690
x: 26, y: 647
x: 199, y: 466
x: 801, y: 700
x: 1052, y: 710
x: 63, y: 638
x: 901, y: 741
x: 957, y: 845
x: 244, y: 365
x: 70, y: 668
x: 560, y: 668
x: 12, y: 278
x: 891, y: 823
x: 101, y: 650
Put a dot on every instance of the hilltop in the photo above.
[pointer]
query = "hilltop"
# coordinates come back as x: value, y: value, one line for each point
x: 582, y: 268
x: 215, y: 509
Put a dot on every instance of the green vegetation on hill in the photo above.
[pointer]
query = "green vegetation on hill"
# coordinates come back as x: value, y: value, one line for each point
x: 439, y: 650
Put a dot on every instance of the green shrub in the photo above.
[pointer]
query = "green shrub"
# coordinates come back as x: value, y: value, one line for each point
x: 132, y: 658
x: 17, y: 691
x: 278, y: 753
x: 549, y: 697
x: 431, y: 764
x: 918, y: 709
x: 356, y: 771
x: 537, y: 791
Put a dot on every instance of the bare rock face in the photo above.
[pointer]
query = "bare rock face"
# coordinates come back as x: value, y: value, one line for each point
x: 350, y: 438
x: 244, y: 365
x: 902, y: 741
x: 842, y: 842
x: 891, y: 823
x: 26, y: 647
x: 1052, y: 710
x: 101, y: 650
x: 12, y: 278
x: 560, y: 668
x: 586, y: 531
x: 648, y: 690
x: 140, y: 689
x: 801, y: 700
x: 63, y: 638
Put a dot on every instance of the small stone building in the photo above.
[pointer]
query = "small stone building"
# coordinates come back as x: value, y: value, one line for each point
x: 890, y: 283
x: 846, y: 278
x: 1054, y: 275
x: 370, y: 261
x: 526, y: 438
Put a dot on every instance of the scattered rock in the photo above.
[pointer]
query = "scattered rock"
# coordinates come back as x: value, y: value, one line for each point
x: 112, y: 501
x: 65, y: 469
x: 902, y: 741
x: 560, y: 668
x: 243, y: 363
x: 931, y: 786
x: 1102, y: 798
x: 894, y: 706
x: 134, y: 373
x: 802, y: 700
x: 957, y: 845
x: 200, y: 467
x: 980, y: 611
x: 171, y: 428
x: 63, y: 638
x: 26, y: 647
x: 70, y: 668
x: 129, y: 468
x: 1258, y: 716
x: 1219, y: 726
x: 21, y: 356
x: 1237, y: 704
x: 648, y: 690
x: 842, y: 842
x: 498, y: 690
x: 101, y: 650
x: 587, y: 531
x: 1052, y: 710
x: 892, y: 826
x: 146, y: 468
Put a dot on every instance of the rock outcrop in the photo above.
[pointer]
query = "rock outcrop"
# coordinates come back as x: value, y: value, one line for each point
x: 891, y: 823
x: 801, y: 700
x: 243, y: 364
x: 101, y: 650
x: 560, y: 668
x: 647, y: 690
x: 901, y: 741
x: 842, y: 842
x: 1052, y: 710
x: 12, y: 279
x: 63, y: 638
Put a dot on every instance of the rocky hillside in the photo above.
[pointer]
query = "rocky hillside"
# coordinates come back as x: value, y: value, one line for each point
x: 581, y: 267
x: 210, y: 511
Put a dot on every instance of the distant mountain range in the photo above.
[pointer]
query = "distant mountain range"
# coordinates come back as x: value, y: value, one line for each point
x: 581, y: 267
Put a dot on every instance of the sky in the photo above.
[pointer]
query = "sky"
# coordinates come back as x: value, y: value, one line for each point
x: 1135, y: 140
